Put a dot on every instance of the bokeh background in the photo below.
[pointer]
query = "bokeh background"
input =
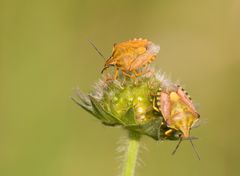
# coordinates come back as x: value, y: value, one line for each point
x: 44, y: 54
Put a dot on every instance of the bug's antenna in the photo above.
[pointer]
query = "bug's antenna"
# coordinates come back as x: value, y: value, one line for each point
x: 174, y: 151
x: 194, y: 148
x: 96, y: 49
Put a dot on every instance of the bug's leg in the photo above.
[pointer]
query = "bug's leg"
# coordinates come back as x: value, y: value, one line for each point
x: 124, y: 77
x: 144, y: 70
x: 155, y: 106
x: 168, y: 132
x: 126, y: 74
x: 116, y: 73
x: 140, y: 73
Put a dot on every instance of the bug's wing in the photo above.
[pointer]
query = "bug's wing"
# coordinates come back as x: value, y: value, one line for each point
x: 145, y: 55
x: 187, y: 101
x: 165, y: 105
x: 142, y: 61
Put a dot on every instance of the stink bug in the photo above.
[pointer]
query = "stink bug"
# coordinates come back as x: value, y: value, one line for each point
x: 132, y: 57
x: 177, y: 110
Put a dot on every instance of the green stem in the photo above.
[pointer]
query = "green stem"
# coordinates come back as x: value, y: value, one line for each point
x: 131, y: 154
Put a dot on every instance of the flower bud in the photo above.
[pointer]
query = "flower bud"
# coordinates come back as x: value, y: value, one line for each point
x: 130, y: 103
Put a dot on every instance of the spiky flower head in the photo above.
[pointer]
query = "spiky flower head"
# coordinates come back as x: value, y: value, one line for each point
x: 130, y: 103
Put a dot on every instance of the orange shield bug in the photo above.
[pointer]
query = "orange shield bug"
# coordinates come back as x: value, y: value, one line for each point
x: 132, y: 56
x: 178, y: 112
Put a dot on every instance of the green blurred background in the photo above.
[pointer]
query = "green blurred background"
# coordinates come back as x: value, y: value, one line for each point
x: 44, y: 54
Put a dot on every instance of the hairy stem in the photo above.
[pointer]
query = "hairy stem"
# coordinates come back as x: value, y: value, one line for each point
x: 131, y: 154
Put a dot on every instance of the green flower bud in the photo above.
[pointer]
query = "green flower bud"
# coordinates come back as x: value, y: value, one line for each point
x: 129, y: 103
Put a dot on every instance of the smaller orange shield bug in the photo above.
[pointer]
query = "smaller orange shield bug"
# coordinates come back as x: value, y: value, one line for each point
x: 177, y: 110
x: 132, y: 57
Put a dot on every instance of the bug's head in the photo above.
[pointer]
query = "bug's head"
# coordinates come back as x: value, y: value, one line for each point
x: 110, y: 62
x: 183, y: 121
x: 182, y: 116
